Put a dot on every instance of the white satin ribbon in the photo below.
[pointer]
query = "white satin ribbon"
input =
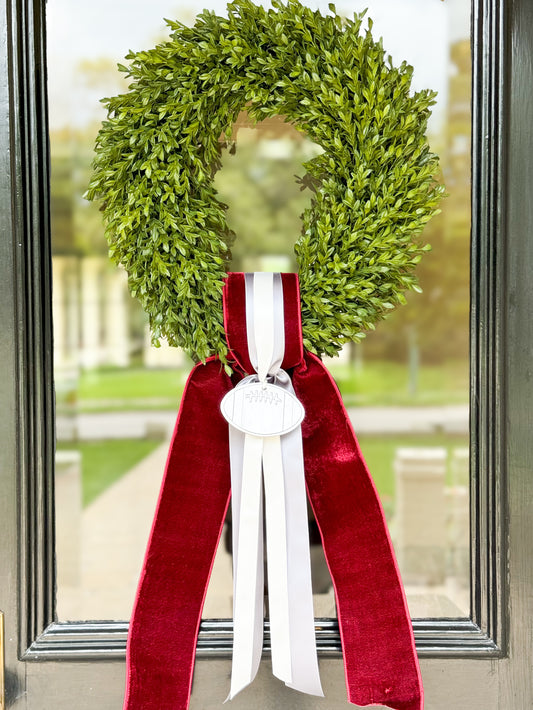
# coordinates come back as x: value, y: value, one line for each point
x: 278, y: 462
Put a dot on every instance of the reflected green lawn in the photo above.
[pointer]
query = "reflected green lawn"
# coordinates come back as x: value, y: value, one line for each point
x: 379, y: 383
x: 373, y: 384
x: 384, y: 383
x: 122, y: 389
x: 104, y: 462
x: 379, y: 452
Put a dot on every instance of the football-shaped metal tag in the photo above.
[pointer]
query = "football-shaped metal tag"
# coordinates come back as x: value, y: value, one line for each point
x: 262, y: 409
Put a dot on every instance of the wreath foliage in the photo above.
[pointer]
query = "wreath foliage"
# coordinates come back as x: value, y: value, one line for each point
x: 374, y: 187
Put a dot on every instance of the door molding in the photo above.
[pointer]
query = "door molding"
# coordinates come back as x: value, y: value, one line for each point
x: 25, y: 210
x: 41, y: 637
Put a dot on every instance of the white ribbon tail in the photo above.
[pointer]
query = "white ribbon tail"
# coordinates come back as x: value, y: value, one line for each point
x: 304, y: 661
x: 277, y: 563
x: 247, y: 562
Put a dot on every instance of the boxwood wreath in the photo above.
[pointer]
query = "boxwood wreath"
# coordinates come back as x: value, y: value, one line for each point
x: 374, y: 185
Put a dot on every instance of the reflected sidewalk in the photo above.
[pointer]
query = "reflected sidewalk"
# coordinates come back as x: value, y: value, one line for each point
x: 116, y: 526
x: 450, y: 419
x: 114, y: 533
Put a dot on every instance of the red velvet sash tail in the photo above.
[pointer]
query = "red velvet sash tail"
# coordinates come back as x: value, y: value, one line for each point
x: 379, y: 654
x: 380, y: 661
x: 187, y: 526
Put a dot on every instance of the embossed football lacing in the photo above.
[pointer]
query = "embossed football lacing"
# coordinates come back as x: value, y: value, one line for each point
x: 261, y: 396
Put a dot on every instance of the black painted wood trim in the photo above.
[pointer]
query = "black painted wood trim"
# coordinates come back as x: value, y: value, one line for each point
x: 487, y: 328
x: 30, y: 202
x: 107, y: 640
x: 43, y: 638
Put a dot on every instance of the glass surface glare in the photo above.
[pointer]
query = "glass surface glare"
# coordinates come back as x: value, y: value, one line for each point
x: 405, y: 385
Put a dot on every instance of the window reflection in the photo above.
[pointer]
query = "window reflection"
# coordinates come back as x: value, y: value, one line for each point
x: 406, y: 385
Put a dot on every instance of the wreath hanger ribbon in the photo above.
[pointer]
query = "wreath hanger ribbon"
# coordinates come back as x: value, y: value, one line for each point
x: 380, y: 661
x: 278, y: 461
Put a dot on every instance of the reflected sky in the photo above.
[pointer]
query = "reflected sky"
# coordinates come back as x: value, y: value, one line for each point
x: 418, y: 31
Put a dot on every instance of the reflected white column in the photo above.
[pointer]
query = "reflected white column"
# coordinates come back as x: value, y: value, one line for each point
x: 163, y: 356
x: 421, y: 514
x: 68, y: 518
x: 90, y: 351
x: 459, y: 504
x: 59, y: 264
x: 116, y: 318
x: 72, y: 311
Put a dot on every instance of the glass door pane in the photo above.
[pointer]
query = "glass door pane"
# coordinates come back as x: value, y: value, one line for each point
x: 405, y: 385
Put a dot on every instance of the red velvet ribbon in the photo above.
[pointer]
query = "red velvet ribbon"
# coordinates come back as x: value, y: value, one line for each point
x: 381, y: 666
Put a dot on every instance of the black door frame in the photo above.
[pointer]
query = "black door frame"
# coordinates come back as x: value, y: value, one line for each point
x: 502, y: 344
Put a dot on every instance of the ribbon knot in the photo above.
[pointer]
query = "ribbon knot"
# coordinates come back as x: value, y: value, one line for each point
x: 275, y: 460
